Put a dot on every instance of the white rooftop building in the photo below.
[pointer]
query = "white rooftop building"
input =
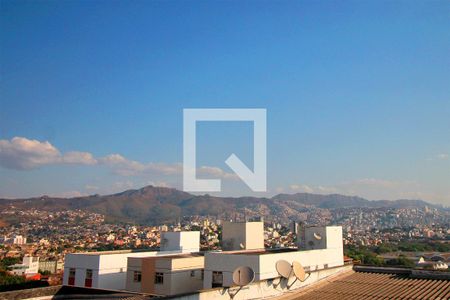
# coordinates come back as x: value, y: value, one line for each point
x: 108, y: 269
x: 29, y: 265
x: 180, y: 270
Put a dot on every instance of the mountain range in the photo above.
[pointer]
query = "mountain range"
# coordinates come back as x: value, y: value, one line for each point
x: 156, y: 205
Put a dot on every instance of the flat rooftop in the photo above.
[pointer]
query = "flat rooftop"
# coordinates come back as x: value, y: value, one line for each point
x: 116, y: 252
x: 181, y: 255
x: 258, y: 251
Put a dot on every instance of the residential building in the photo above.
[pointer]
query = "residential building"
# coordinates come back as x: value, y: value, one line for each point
x: 29, y: 266
x: 165, y: 275
x: 183, y: 241
x: 326, y: 253
x: 48, y: 265
x: 108, y: 269
x: 19, y: 240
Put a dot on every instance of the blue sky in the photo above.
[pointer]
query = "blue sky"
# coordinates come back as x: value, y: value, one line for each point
x: 357, y: 94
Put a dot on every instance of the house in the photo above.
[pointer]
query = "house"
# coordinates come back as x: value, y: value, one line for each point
x: 432, y: 264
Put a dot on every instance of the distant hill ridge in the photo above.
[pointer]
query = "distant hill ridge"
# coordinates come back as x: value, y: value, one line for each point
x: 154, y: 205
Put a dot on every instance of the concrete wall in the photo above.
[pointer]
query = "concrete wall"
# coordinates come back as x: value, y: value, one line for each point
x: 330, y: 237
x: 264, y: 264
x: 226, y: 263
x: 177, y: 275
x: 134, y: 264
x: 265, y: 288
x: 184, y: 241
x: 81, y: 262
x: 328, y: 252
x: 109, y: 269
x: 248, y: 234
x: 180, y: 277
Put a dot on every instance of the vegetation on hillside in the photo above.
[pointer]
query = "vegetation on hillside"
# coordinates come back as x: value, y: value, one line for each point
x: 372, y: 255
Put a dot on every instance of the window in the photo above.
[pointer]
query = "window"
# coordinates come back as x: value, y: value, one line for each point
x: 72, y: 273
x: 203, y: 274
x: 137, y: 276
x: 217, y: 279
x: 88, y: 279
x: 159, y: 278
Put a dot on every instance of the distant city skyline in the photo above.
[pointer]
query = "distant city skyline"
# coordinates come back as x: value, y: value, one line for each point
x: 357, y: 95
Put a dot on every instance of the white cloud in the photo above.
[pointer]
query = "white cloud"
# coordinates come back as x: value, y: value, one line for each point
x: 159, y: 184
x: 216, y: 173
x: 121, y: 165
x: 76, y: 157
x: 371, y: 188
x: 23, y: 154
x: 301, y: 188
x: 68, y: 194
x: 123, y: 185
x: 90, y: 187
x: 125, y: 167
x: 442, y: 156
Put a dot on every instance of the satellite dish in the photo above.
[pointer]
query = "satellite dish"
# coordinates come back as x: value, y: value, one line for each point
x: 243, y: 276
x: 298, y: 270
x: 317, y: 236
x: 283, y: 268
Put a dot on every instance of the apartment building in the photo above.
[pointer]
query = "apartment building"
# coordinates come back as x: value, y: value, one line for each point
x: 108, y: 269
x: 29, y: 266
x: 165, y: 275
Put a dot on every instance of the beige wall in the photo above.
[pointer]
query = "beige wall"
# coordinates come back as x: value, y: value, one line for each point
x: 148, y: 275
x: 254, y: 235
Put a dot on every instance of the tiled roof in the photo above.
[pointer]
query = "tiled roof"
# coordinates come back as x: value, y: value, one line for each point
x: 362, y: 285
